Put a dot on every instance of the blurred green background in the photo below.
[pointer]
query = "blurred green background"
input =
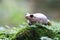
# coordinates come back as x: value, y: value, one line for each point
x: 12, y: 12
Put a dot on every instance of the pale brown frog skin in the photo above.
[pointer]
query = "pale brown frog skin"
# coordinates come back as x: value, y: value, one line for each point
x: 37, y: 17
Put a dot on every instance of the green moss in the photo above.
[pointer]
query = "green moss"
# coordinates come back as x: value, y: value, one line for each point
x: 27, y: 34
x: 34, y: 33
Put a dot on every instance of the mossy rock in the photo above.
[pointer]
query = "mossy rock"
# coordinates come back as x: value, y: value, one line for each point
x: 34, y: 33
x: 27, y: 34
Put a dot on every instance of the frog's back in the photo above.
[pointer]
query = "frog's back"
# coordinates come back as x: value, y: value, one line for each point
x: 39, y: 15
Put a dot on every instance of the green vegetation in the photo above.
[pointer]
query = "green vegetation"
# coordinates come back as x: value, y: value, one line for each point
x: 33, y: 32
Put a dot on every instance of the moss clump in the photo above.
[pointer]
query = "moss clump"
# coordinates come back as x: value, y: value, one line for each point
x: 34, y: 33
x: 28, y: 33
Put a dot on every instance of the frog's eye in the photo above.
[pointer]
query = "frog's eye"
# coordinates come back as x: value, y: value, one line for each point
x: 31, y: 16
